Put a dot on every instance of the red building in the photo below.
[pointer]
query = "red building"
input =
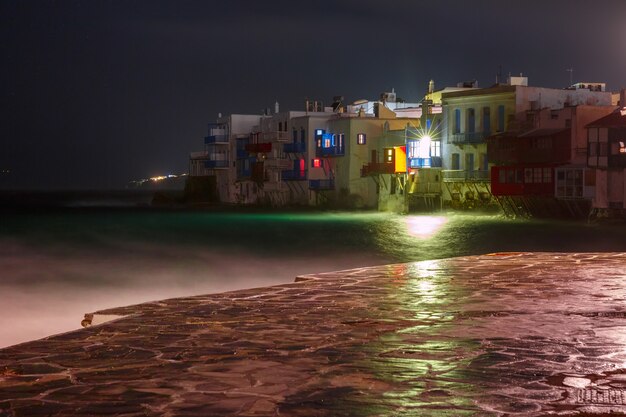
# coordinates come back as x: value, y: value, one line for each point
x: 542, y: 172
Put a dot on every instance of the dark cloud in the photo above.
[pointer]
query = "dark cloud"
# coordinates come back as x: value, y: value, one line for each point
x: 95, y: 93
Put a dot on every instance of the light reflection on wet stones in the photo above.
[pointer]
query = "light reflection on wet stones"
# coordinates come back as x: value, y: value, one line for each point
x: 474, y: 336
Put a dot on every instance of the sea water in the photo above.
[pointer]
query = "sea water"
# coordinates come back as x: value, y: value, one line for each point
x: 57, y: 265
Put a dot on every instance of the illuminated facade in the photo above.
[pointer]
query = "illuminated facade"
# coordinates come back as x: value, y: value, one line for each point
x: 470, y: 117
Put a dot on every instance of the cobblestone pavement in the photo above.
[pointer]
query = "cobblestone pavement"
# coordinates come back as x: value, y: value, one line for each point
x: 532, y: 334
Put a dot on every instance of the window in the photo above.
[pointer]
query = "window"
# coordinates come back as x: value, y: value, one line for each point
x: 456, y: 161
x: 339, y: 142
x: 435, y: 148
x: 319, y: 132
x: 604, y: 147
x: 457, y: 121
x: 501, y: 118
x: 622, y: 147
x: 327, y: 142
x: 316, y: 163
x: 389, y: 155
x: 547, y: 175
x: 528, y: 175
x: 510, y: 176
x: 360, y: 139
x: 295, y: 135
x: 280, y: 126
x: 414, y: 148
x: 537, y: 175
x: 471, y: 121
x: 486, y: 121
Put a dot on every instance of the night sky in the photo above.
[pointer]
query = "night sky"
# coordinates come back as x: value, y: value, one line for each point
x: 97, y: 93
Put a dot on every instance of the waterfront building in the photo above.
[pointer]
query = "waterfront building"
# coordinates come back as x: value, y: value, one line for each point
x: 309, y: 157
x: 470, y: 117
x: 606, y: 153
x: 213, y: 169
x: 543, y: 171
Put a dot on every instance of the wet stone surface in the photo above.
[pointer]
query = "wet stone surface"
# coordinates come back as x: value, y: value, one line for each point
x: 533, y: 334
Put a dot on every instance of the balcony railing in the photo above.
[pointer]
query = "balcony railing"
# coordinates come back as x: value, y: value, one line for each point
x: 321, y: 185
x: 330, y: 151
x: 277, y: 136
x: 297, y: 147
x: 264, y: 147
x: 470, y: 138
x: 278, y: 163
x: 293, y: 175
x: 213, y: 164
x: 374, y: 168
x: 463, y: 175
x: 220, y: 139
x: 432, y: 162
x: 199, y: 155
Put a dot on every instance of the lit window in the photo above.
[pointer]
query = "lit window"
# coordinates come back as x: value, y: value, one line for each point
x: 622, y: 147
x: 413, y: 148
x: 389, y: 155
x: 319, y: 132
x: 360, y: 139
x: 327, y: 143
x: 435, y: 148
x: 316, y: 163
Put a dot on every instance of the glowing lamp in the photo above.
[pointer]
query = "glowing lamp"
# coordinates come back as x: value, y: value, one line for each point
x: 424, y: 151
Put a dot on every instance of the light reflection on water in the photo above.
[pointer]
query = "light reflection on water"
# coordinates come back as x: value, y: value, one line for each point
x: 424, y: 226
x: 57, y: 266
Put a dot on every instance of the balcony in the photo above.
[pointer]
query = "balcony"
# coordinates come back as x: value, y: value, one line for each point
x: 293, y: 175
x: 199, y: 155
x: 320, y: 185
x: 297, y: 147
x: 471, y: 138
x: 216, y: 164
x: 330, y: 151
x: 432, y: 162
x: 376, y: 168
x: 264, y: 147
x: 458, y: 175
x: 277, y: 136
x: 278, y: 163
x: 216, y: 139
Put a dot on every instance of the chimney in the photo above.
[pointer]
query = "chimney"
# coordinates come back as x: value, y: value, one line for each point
x: 276, y: 107
x: 431, y: 86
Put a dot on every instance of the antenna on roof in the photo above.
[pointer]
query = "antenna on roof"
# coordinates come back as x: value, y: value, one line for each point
x: 571, y: 75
